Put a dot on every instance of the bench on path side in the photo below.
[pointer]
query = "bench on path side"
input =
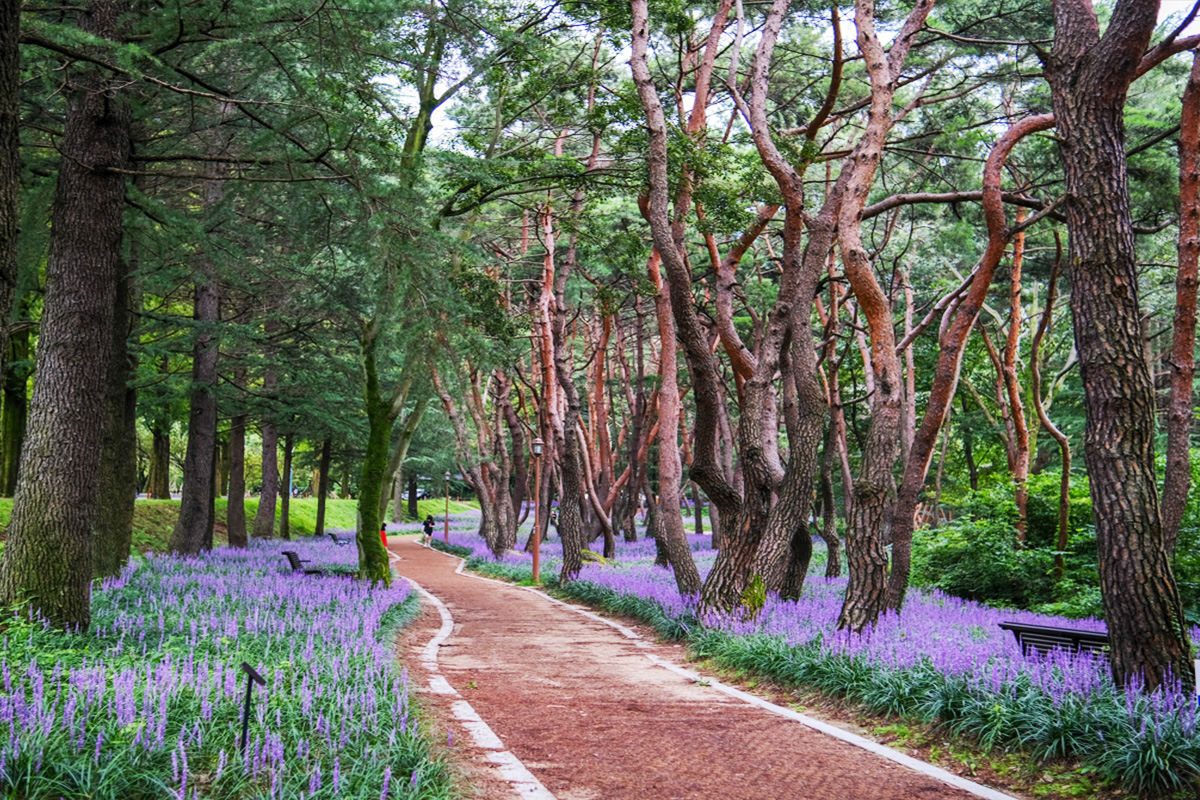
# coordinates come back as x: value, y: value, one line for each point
x: 337, y: 541
x: 297, y: 564
x: 1041, y: 639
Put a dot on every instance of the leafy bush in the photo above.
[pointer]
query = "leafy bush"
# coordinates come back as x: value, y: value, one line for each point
x: 976, y: 556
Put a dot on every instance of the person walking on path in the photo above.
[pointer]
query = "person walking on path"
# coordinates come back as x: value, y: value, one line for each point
x: 427, y: 526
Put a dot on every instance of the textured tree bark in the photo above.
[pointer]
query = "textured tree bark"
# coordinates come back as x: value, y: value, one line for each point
x: 235, y: 506
x: 372, y: 558
x: 191, y: 527
x: 16, y: 412
x: 706, y: 383
x: 670, y: 535
x: 117, y: 476
x: 866, y: 592
x: 323, y: 484
x: 1178, y: 478
x: 264, y: 518
x: 10, y: 156
x: 1089, y: 77
x: 47, y: 559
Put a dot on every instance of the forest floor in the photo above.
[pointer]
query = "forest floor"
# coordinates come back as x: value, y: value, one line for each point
x: 593, y: 714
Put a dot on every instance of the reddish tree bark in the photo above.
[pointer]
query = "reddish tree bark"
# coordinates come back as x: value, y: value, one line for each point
x: 1182, y: 363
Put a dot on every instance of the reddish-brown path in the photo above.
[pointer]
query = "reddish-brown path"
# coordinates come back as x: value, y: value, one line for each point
x: 592, y: 718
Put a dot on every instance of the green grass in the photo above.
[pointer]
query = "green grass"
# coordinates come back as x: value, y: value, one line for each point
x: 153, y: 520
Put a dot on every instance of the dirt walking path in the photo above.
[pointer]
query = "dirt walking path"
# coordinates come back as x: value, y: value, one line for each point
x: 591, y: 715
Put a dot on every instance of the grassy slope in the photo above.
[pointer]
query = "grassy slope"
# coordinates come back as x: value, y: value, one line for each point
x: 154, y: 519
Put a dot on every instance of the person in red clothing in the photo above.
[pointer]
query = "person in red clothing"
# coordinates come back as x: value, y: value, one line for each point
x: 383, y: 535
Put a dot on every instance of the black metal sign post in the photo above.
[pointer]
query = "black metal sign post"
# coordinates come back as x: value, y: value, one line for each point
x: 252, y: 678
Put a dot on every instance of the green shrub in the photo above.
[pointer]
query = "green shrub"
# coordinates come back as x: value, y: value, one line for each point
x: 977, y: 556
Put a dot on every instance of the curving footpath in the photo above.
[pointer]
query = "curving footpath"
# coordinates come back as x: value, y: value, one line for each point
x: 568, y: 705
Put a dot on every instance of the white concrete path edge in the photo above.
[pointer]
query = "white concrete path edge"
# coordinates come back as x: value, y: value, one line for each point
x: 510, y: 768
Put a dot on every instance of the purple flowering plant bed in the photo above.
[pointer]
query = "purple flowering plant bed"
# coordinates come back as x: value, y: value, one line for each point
x: 148, y: 702
x: 941, y: 660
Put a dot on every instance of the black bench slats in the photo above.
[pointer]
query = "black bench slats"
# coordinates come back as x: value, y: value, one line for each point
x: 1042, y: 639
x: 337, y: 541
x: 297, y: 564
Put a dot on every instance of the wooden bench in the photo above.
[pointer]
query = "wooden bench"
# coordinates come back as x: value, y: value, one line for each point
x: 297, y: 564
x: 1042, y: 639
x: 337, y: 541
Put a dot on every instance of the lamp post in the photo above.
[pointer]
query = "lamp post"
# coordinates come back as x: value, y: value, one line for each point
x: 446, y: 530
x: 537, y: 507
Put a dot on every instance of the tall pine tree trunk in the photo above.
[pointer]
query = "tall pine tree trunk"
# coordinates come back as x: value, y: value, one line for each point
x: 47, y: 559
x: 323, y: 484
x: 1089, y: 76
x: 118, y: 466
x: 192, y: 526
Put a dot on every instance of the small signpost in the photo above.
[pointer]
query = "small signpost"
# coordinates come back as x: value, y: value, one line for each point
x: 252, y: 678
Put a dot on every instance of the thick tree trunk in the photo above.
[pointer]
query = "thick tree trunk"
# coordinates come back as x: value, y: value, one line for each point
x: 670, y: 535
x: 323, y: 484
x: 1177, y: 480
x: 372, y: 558
x: 235, y: 505
x: 16, y: 412
x: 706, y: 382
x: 1089, y: 76
x: 117, y: 476
x: 47, y: 559
x: 191, y: 527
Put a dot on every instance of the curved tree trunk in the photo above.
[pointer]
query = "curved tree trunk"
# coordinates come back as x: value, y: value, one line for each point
x: 950, y: 353
x: 47, y: 558
x: 670, y: 536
